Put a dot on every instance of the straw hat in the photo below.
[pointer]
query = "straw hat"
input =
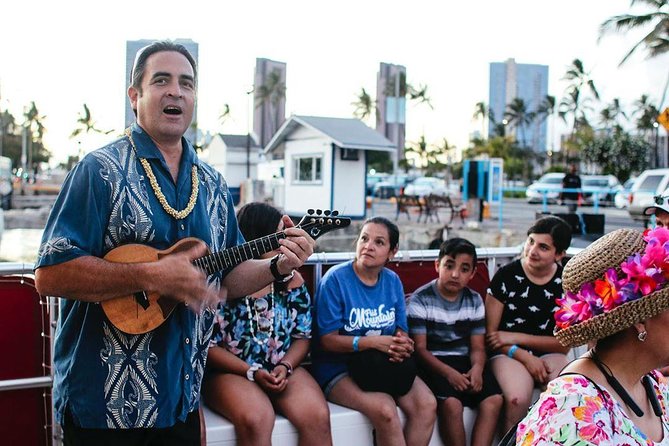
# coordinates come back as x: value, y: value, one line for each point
x: 592, y: 264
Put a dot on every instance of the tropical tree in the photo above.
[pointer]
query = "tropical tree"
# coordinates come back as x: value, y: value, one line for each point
x: 419, y: 95
x: 87, y: 125
x: 364, y: 105
x: 574, y: 105
x: 32, y: 123
x: 579, y: 78
x: 656, y: 41
x: 518, y: 117
x: 619, y: 154
x: 547, y: 107
x: 446, y: 150
x: 225, y: 114
x: 646, y: 114
x: 423, y: 151
x: 610, y: 115
x: 481, y: 112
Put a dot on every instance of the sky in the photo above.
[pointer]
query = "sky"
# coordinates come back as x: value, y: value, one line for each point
x: 64, y: 54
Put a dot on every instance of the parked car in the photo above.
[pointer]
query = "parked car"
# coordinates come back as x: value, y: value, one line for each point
x: 392, y: 186
x: 422, y: 186
x: 549, y: 185
x: 622, y: 197
x: 600, y: 187
x: 650, y: 183
x: 372, y: 179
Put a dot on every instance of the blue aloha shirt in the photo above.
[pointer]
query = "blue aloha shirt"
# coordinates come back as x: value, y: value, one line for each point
x: 290, y: 312
x: 102, y: 376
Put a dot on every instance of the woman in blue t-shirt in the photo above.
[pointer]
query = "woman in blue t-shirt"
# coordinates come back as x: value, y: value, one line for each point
x: 260, y: 342
x: 360, y: 307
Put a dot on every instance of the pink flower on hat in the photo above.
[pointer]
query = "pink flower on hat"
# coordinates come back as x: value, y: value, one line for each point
x: 642, y: 274
x: 572, y: 310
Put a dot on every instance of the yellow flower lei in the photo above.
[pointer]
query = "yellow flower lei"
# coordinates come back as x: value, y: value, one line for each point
x: 158, y: 191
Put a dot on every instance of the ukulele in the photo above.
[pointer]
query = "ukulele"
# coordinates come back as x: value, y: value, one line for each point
x: 143, y: 312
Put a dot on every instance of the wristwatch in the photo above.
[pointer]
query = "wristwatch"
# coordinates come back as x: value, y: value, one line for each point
x: 251, y: 371
x: 278, y: 277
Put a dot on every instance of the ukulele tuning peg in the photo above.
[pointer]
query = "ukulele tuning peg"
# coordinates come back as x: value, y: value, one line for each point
x: 327, y: 212
x: 318, y: 212
x: 310, y: 211
x: 335, y: 213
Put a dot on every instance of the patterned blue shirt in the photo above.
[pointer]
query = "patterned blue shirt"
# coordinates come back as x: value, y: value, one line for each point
x: 102, y: 376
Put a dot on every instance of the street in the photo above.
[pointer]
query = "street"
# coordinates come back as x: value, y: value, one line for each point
x: 517, y: 217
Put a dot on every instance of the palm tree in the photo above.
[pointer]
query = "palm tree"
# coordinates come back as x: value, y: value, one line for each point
x: 481, y: 111
x: 656, y: 41
x: 445, y: 149
x: 519, y: 117
x: 426, y: 154
x: 610, y: 114
x: 546, y: 108
x: 33, y: 126
x: 225, y: 114
x: 646, y: 114
x: 419, y: 95
x: 364, y: 105
x: 580, y: 78
x: 576, y: 106
x: 646, y: 121
x: 87, y: 125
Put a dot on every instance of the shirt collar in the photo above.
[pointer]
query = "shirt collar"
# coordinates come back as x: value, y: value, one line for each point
x: 146, y: 148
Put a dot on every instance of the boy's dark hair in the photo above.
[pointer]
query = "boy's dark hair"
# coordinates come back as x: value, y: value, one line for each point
x: 557, y: 228
x: 454, y: 246
x: 257, y: 220
x: 393, y: 231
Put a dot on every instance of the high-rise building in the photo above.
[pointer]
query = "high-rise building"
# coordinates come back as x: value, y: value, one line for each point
x: 269, y: 99
x: 132, y: 46
x: 391, y: 89
x: 529, y: 82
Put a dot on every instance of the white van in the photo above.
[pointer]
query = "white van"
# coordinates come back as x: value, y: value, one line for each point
x: 649, y: 184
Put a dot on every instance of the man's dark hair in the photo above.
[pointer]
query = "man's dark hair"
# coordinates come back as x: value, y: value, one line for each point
x: 557, y: 228
x: 257, y: 220
x: 143, y: 54
x: 393, y: 231
x: 454, y: 246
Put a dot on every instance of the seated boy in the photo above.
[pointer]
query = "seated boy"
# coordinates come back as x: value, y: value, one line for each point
x: 447, y: 323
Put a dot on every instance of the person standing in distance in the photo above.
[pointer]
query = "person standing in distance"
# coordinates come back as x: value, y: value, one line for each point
x: 571, y: 181
x: 147, y: 187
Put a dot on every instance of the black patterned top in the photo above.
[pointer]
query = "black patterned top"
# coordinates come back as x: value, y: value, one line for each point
x: 528, y: 307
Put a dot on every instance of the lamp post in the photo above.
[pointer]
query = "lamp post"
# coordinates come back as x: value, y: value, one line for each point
x: 656, y: 126
x: 248, y: 134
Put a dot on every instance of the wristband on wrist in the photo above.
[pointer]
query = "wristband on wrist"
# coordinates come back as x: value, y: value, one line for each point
x: 512, y: 350
x: 288, y: 367
x: 356, y: 339
x: 275, y: 270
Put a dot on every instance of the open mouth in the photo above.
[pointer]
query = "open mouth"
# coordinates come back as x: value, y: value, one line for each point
x: 172, y: 110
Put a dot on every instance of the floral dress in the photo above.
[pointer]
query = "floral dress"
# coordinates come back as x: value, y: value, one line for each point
x: 290, y: 312
x: 573, y: 412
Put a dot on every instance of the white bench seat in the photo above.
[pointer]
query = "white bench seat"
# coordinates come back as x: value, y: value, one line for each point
x: 349, y: 427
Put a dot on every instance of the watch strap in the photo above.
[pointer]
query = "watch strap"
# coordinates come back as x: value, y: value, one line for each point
x: 275, y: 270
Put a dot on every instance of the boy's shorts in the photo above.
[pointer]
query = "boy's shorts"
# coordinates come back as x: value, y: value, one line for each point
x: 442, y: 389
